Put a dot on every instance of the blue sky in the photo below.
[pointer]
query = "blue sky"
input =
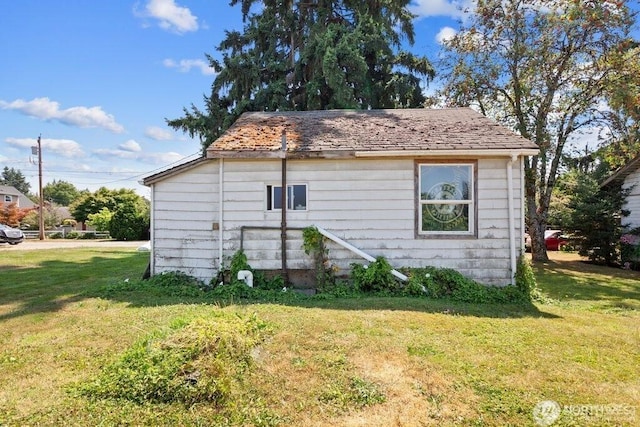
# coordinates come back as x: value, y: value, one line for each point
x: 96, y: 79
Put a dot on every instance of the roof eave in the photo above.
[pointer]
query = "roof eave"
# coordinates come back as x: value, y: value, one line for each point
x: 623, y: 172
x: 278, y: 154
x: 504, y: 152
x: 336, y: 154
x: 152, y: 179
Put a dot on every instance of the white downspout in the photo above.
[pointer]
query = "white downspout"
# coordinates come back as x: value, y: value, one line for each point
x: 220, y: 211
x: 512, y: 224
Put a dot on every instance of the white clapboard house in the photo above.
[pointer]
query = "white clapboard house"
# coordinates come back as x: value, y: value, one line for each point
x: 628, y: 177
x: 420, y: 187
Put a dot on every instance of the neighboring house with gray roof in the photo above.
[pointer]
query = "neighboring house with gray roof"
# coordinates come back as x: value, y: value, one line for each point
x: 628, y: 177
x: 419, y: 187
x: 9, y: 195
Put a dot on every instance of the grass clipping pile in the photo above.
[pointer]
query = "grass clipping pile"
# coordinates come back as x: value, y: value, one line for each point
x: 203, y: 361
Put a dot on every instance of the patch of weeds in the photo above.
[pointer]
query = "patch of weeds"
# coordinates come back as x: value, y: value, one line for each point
x: 448, y: 283
x: 423, y: 350
x: 339, y: 289
x: 501, y: 402
x: 239, y: 263
x: 203, y: 362
x: 171, y: 284
x: 298, y: 362
x: 314, y: 245
x: 239, y: 291
x: 353, y: 392
x: 376, y: 278
x: 342, y: 389
x: 177, y: 283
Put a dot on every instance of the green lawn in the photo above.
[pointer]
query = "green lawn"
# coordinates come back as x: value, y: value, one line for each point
x: 67, y: 316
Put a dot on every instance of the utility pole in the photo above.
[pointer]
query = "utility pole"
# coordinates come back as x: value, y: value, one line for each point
x: 41, y: 207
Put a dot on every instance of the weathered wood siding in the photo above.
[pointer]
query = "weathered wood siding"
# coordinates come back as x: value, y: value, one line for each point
x: 185, y: 209
x: 372, y: 205
x: 633, y: 200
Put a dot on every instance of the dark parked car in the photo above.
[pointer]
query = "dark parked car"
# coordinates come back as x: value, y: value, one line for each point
x: 554, y: 240
x: 9, y: 235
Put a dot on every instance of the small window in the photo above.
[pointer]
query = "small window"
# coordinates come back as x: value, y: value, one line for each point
x: 296, y: 197
x: 8, y: 199
x: 446, y: 204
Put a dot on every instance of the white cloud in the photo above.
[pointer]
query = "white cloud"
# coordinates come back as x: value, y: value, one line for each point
x: 445, y: 34
x: 131, y: 146
x: 450, y: 8
x: 159, y: 134
x: 84, y: 117
x: 185, y: 65
x: 164, y: 158
x: 145, y: 157
x: 116, y: 153
x: 171, y: 17
x: 62, y: 147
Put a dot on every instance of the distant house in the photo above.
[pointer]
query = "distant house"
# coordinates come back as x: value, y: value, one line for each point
x: 9, y: 195
x: 419, y: 187
x: 629, y: 177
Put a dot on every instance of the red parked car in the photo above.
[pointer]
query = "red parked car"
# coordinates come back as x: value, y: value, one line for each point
x: 553, y: 240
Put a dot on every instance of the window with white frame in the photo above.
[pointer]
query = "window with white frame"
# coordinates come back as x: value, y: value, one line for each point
x: 296, y: 197
x: 7, y: 198
x: 446, y: 198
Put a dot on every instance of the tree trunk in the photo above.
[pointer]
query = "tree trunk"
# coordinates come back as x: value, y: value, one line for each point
x: 538, y: 247
x: 536, y: 217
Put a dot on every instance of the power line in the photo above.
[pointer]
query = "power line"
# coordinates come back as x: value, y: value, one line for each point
x: 130, y: 175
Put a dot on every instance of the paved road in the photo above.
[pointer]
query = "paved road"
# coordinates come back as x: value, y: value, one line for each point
x: 31, y: 244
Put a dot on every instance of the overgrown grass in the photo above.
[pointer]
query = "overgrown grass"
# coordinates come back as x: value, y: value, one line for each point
x: 80, y: 345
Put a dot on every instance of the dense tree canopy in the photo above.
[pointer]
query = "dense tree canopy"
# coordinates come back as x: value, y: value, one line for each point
x: 61, y: 193
x: 310, y: 55
x: 91, y: 203
x: 623, y: 116
x: 542, y: 68
x: 16, y: 179
x: 123, y: 212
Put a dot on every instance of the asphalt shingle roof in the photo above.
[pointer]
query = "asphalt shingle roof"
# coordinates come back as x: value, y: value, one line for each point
x: 366, y: 131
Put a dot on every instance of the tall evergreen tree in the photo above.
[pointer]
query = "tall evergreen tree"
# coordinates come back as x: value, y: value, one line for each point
x: 16, y: 179
x: 310, y: 55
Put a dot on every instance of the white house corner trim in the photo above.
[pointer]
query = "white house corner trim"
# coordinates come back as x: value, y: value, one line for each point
x: 152, y: 233
x: 512, y: 225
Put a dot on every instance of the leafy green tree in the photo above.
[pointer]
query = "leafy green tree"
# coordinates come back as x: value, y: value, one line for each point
x: 623, y: 114
x: 16, y: 179
x: 540, y: 67
x: 130, y: 212
x: 559, y: 209
x: 129, y: 223
x: 301, y: 55
x: 51, y: 218
x: 101, y: 221
x: 62, y: 193
x: 92, y: 203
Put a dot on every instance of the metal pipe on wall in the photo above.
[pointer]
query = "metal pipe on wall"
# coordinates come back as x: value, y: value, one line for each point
x: 220, y: 213
x: 283, y: 224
